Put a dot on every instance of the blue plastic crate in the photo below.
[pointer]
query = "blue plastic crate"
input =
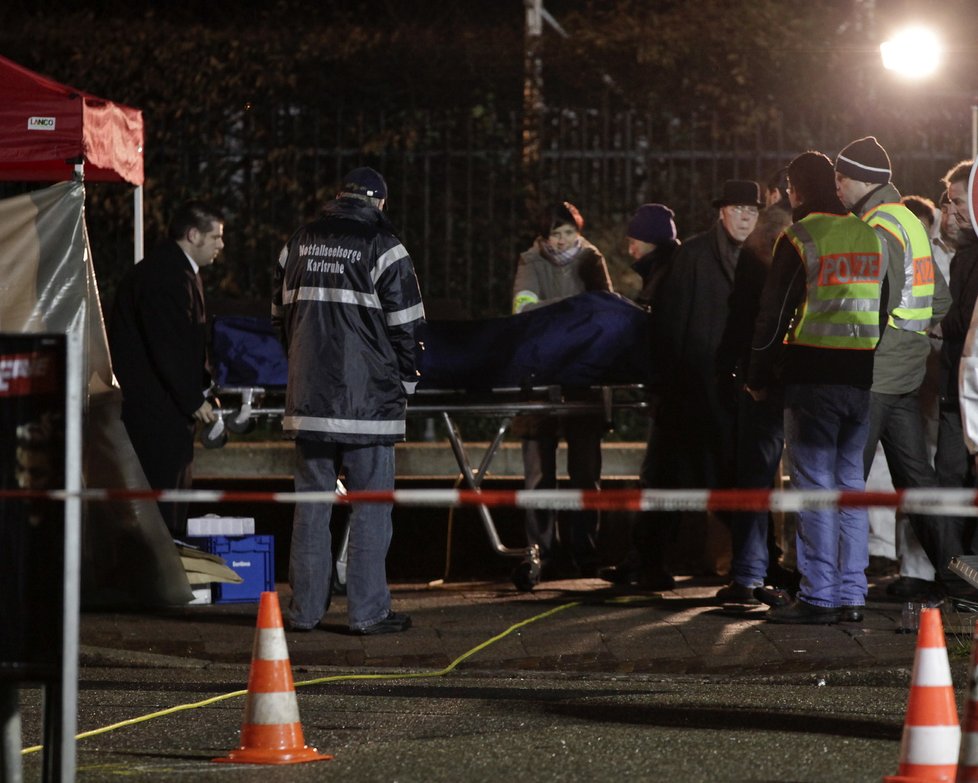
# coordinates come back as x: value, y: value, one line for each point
x: 251, y: 557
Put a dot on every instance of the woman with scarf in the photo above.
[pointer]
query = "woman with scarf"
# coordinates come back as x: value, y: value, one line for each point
x: 561, y: 263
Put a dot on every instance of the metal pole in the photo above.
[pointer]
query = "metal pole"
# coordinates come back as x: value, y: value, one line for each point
x: 974, y: 131
x: 137, y: 224
x: 532, y: 103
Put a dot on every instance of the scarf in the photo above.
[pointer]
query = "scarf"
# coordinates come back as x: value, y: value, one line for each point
x: 559, y: 257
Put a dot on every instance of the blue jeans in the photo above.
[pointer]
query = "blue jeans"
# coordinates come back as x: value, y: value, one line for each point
x: 760, y: 441
x: 311, y: 558
x: 826, y: 427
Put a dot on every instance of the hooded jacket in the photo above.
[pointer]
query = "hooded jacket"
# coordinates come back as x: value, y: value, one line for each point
x: 347, y: 301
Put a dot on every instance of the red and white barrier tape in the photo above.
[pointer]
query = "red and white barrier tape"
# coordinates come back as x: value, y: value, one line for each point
x: 957, y: 502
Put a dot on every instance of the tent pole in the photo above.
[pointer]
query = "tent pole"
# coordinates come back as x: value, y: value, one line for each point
x: 137, y: 209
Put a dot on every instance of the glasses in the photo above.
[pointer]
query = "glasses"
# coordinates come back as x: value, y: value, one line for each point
x: 743, y: 209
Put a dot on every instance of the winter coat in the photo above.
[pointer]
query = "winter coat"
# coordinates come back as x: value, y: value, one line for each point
x: 688, y: 324
x: 954, y: 328
x: 536, y: 273
x: 348, y: 303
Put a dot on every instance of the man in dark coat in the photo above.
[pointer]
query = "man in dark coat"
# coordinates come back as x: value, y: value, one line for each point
x: 692, y: 442
x: 652, y: 242
x: 158, y: 339
x: 689, y: 325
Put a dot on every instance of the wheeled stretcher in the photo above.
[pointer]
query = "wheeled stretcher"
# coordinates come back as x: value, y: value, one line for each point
x: 593, y: 344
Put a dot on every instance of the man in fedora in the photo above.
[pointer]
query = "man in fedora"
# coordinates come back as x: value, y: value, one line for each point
x: 688, y: 326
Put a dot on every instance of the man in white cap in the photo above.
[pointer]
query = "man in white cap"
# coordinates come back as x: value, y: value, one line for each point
x: 918, y: 299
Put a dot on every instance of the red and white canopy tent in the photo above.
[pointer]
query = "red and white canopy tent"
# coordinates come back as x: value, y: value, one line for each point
x: 50, y: 132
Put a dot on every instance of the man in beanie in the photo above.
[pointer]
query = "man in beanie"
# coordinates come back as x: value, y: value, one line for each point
x: 819, y: 322
x: 688, y: 326
x: 347, y: 301
x: 918, y: 299
x: 652, y: 243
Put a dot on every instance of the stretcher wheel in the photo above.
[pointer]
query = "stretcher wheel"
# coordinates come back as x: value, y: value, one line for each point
x: 240, y: 427
x: 526, y: 575
x: 214, y: 436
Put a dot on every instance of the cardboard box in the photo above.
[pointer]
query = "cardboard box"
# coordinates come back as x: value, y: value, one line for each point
x: 214, y: 525
x: 251, y: 557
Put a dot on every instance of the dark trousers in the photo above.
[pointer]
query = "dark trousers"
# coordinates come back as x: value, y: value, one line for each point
x: 760, y: 442
x: 166, y: 450
x: 953, y: 465
x: 897, y: 422
x: 576, y: 533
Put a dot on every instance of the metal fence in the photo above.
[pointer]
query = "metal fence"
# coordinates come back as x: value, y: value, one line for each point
x: 457, y: 190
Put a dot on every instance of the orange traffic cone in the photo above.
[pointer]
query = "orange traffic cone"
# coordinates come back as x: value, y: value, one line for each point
x: 931, y: 734
x: 968, y: 759
x: 271, y: 732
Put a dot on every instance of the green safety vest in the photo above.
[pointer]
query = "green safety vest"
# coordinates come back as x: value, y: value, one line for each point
x: 916, y: 307
x: 845, y: 263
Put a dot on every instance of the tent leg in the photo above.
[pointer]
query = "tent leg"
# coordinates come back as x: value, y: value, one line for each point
x: 137, y: 224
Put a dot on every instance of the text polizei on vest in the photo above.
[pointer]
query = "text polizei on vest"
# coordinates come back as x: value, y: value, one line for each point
x: 843, y: 268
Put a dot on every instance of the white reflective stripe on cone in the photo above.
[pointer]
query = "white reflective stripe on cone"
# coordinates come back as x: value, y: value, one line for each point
x: 271, y: 708
x: 270, y: 645
x: 969, y: 750
x: 935, y: 745
x: 932, y: 668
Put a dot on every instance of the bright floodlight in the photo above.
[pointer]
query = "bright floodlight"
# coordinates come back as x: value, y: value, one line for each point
x: 914, y: 53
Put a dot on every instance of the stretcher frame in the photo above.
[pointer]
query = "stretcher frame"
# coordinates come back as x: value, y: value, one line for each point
x: 503, y: 404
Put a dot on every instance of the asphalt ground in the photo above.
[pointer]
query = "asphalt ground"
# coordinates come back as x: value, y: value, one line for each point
x: 574, y: 681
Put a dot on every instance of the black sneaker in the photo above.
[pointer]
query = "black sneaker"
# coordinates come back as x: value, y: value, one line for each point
x: 393, y: 623
x: 735, y: 593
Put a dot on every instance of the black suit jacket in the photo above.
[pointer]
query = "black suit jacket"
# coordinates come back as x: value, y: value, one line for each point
x: 158, y: 339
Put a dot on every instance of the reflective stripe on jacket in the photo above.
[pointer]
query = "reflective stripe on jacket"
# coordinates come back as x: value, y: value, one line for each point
x: 845, y: 264
x: 915, y: 310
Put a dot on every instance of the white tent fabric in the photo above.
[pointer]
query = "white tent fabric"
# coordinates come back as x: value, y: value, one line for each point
x: 47, y: 284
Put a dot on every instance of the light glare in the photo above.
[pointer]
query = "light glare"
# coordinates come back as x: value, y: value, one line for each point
x: 913, y: 53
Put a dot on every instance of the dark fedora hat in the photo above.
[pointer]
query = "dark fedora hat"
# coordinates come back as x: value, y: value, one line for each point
x: 740, y: 191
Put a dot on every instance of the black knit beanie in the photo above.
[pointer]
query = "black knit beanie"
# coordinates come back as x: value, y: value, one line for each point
x: 865, y: 160
x: 653, y: 223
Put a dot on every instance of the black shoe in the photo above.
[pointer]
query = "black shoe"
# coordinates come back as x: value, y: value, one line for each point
x: 772, y: 596
x: 882, y: 566
x: 302, y: 628
x: 393, y: 623
x: 803, y: 613
x: 785, y: 578
x: 910, y: 588
x: 619, y: 574
x: 735, y: 593
x: 851, y: 614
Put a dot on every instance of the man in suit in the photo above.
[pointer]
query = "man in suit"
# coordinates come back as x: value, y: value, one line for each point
x: 158, y: 339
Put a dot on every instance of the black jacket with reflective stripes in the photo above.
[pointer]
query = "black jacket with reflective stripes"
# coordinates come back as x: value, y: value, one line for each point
x: 347, y: 301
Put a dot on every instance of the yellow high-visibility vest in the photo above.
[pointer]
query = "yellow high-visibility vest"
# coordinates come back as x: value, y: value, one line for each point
x: 845, y: 263
x: 916, y: 307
